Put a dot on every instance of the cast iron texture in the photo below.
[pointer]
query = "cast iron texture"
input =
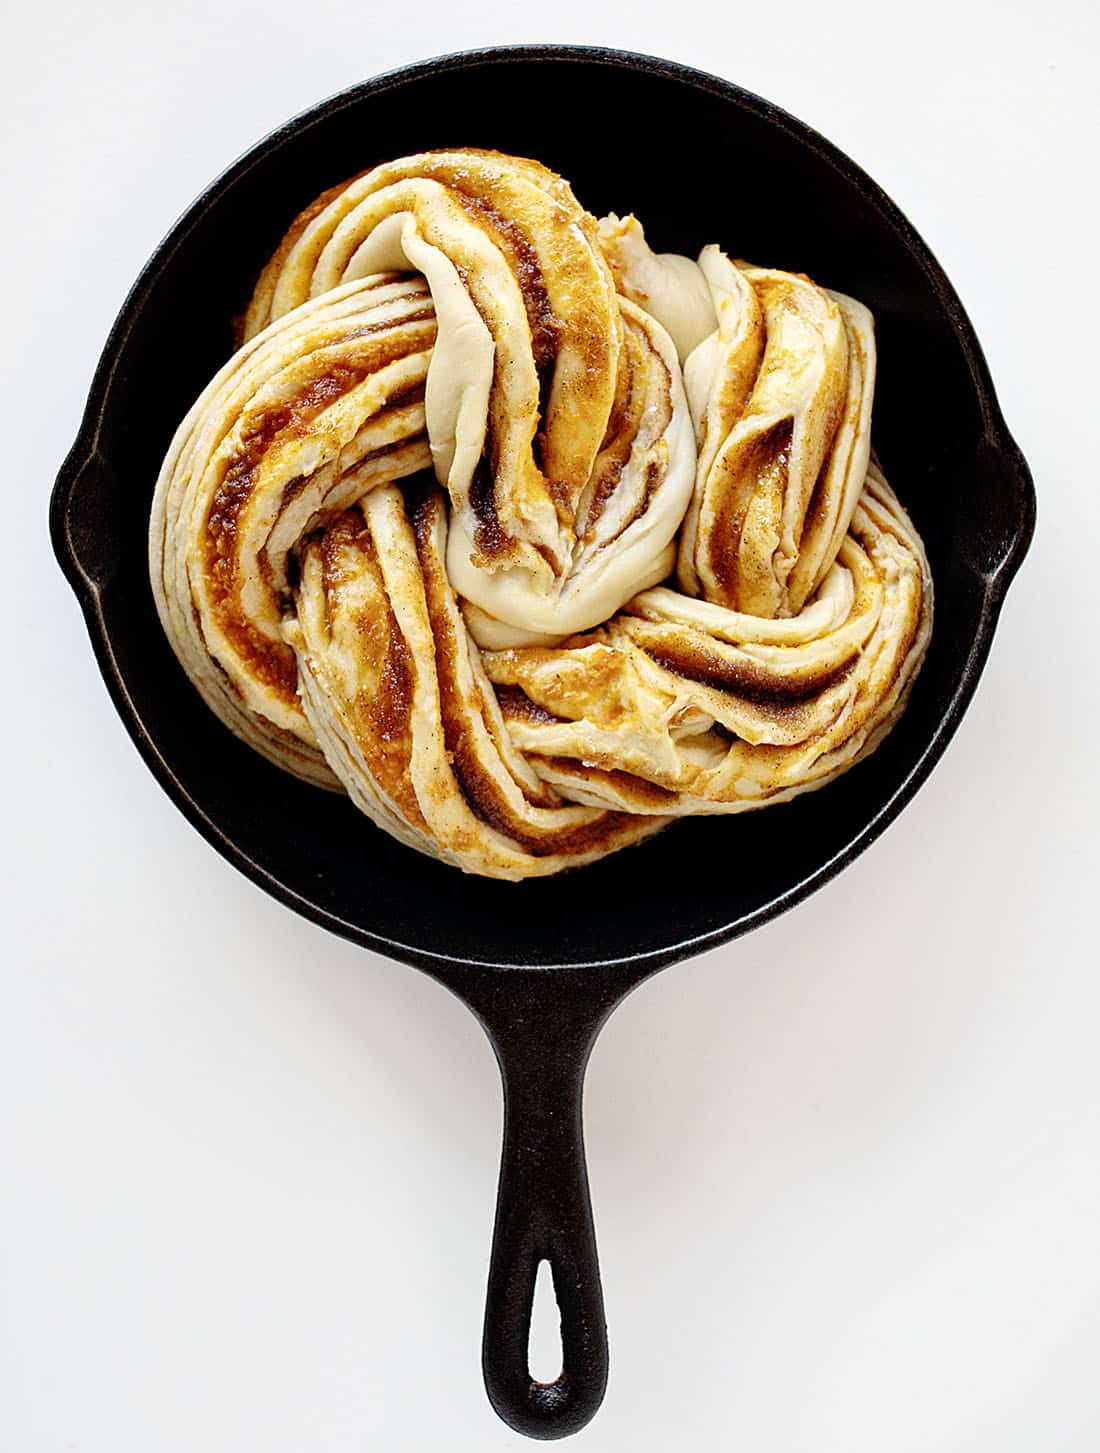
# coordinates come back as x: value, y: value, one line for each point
x: 543, y: 963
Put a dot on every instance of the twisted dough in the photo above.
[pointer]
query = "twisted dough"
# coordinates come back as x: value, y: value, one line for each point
x: 488, y: 660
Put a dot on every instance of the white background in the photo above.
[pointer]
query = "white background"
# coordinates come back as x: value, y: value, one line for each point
x: 847, y: 1171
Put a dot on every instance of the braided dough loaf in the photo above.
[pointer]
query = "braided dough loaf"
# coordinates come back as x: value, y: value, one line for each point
x: 528, y: 538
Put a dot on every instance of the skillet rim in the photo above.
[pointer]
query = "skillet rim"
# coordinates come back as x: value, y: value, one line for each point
x: 85, y: 457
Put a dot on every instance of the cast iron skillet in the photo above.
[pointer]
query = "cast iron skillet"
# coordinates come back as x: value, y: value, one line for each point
x: 542, y: 964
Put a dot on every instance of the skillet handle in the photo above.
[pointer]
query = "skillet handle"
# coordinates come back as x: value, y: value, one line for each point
x: 544, y: 1212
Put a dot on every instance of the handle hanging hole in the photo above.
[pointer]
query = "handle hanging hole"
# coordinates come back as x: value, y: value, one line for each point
x: 544, y: 1349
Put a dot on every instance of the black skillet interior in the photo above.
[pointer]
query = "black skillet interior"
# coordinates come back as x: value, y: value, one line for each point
x: 720, y: 165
